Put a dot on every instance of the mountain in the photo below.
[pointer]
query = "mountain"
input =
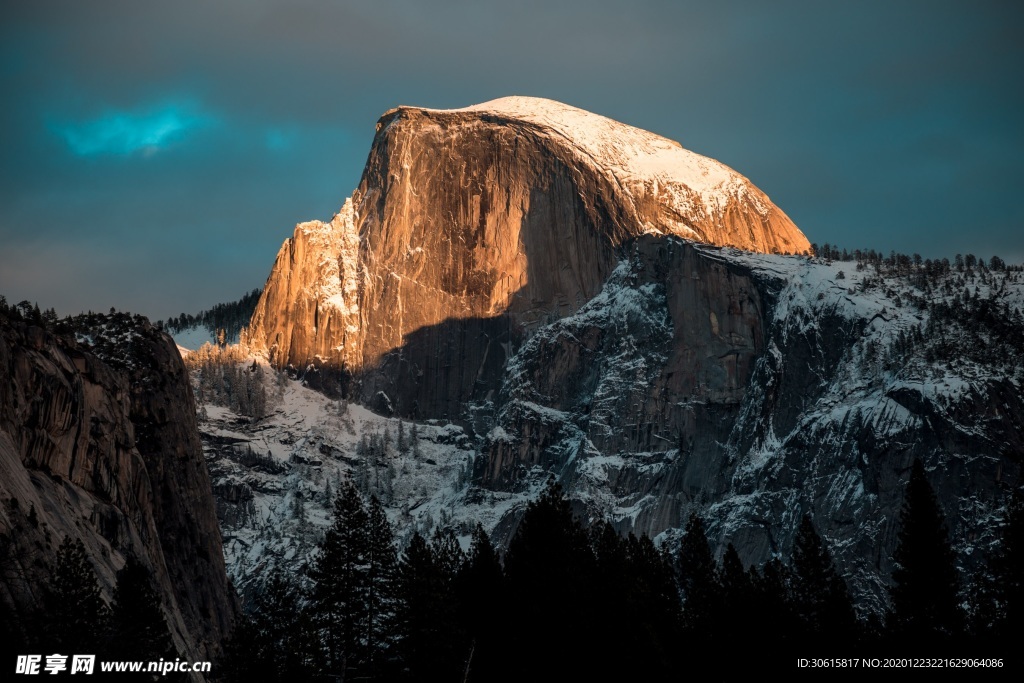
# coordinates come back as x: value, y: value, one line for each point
x: 815, y: 394
x: 471, y: 228
x: 551, y: 293
x: 98, y: 443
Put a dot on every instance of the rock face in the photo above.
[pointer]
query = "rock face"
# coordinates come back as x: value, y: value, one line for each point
x: 98, y: 441
x: 668, y: 348
x: 472, y: 227
x: 753, y: 389
x: 748, y: 388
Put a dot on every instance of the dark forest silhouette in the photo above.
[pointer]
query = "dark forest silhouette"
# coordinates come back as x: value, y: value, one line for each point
x: 571, y: 602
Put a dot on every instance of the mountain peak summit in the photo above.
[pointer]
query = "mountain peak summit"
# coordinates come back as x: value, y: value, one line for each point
x: 693, y: 196
x: 486, y: 223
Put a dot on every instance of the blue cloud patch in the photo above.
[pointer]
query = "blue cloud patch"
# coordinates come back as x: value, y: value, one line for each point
x: 128, y: 132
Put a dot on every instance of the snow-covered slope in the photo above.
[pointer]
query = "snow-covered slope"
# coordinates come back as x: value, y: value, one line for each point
x: 658, y: 399
x: 275, y: 479
x: 866, y: 370
x: 636, y: 159
x: 749, y: 388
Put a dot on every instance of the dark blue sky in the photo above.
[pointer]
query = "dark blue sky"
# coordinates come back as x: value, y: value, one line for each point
x: 153, y: 156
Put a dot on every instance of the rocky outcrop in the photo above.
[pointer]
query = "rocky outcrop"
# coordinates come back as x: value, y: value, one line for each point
x: 470, y: 228
x: 98, y: 442
x: 659, y: 361
x: 755, y: 389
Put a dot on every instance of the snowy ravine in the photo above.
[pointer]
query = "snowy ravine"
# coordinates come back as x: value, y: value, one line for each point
x: 274, y: 480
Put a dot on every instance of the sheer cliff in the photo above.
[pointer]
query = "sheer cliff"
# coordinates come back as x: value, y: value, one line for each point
x: 472, y: 227
x: 98, y: 442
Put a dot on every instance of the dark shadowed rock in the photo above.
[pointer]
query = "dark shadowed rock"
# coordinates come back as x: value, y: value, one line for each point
x: 98, y: 442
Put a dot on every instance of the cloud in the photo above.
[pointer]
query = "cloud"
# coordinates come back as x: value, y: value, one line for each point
x: 124, y: 133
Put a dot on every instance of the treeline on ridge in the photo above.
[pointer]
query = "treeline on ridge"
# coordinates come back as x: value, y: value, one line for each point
x: 964, y: 324
x: 230, y: 317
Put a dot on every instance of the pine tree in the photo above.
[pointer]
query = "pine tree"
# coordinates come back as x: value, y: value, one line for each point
x: 447, y: 552
x: 138, y: 627
x: 243, y: 659
x: 381, y: 589
x: 414, y: 440
x: 771, y: 611
x: 76, y: 614
x: 702, y: 594
x: 426, y: 642
x: 1003, y: 601
x: 339, y: 576
x: 613, y: 581
x: 819, y: 595
x: 549, y: 569
x: 401, y: 443
x: 285, y: 629
x: 363, y: 477
x: 737, y: 591
x: 653, y: 604
x: 481, y: 597
x: 1009, y: 569
x: 925, y: 602
x: 276, y: 641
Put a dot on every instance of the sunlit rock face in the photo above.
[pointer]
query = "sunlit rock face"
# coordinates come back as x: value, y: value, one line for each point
x: 471, y: 228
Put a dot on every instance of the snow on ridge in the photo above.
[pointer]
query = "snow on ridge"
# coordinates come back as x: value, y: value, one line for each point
x: 634, y: 157
x: 192, y: 338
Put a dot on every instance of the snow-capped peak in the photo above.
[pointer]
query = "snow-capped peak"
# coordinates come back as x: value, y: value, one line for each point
x: 630, y: 154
